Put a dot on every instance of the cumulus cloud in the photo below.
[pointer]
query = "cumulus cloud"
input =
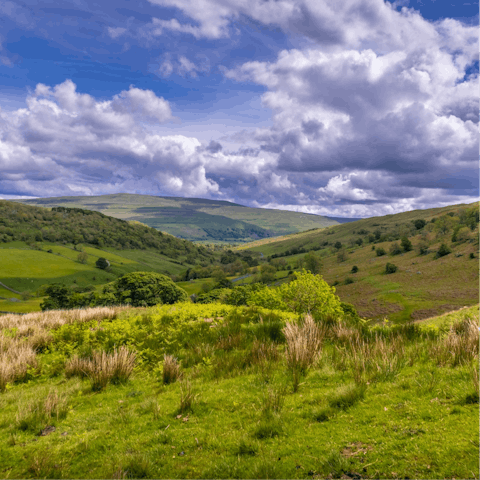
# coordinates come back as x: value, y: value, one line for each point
x: 182, y: 66
x: 66, y: 142
x: 376, y: 113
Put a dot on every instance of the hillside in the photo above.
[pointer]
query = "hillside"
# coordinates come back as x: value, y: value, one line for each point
x: 39, y: 246
x: 195, y: 218
x: 422, y: 286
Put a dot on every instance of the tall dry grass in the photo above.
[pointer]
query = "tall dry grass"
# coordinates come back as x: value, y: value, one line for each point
x: 22, y: 336
x: 304, y: 342
x: 376, y: 359
x: 103, y: 368
x: 459, y: 346
x: 171, y: 369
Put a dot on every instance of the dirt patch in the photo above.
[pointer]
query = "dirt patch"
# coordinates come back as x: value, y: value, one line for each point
x: 376, y: 308
x: 356, y: 448
x: 420, y: 315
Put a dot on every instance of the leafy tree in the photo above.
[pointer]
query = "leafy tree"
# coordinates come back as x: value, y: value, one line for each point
x: 147, y: 288
x: 338, y: 245
x: 395, y: 249
x: 354, y: 269
x: 267, y: 274
x: 419, y: 224
x: 309, y: 293
x: 341, y: 255
x: 380, y: 251
x: 390, y: 268
x: 442, y: 251
x: 58, y: 297
x: 102, y: 263
x: 406, y: 244
x: 82, y: 257
x: 313, y: 263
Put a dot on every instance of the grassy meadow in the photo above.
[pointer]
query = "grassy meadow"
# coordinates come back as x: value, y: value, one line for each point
x: 215, y: 391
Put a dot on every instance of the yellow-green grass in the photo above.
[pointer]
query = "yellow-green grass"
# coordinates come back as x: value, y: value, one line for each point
x: 416, y: 425
x: 150, y: 260
x: 422, y: 287
x: 22, y: 306
x: 344, y: 232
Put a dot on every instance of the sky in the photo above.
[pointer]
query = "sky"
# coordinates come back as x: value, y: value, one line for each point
x: 355, y: 108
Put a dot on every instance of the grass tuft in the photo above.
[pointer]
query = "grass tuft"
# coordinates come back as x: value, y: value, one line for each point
x: 171, y: 369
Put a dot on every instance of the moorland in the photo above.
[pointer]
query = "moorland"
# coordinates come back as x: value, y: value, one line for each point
x: 349, y: 351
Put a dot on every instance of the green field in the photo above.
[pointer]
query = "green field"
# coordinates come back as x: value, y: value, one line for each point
x: 194, y: 218
x: 25, y: 269
x: 406, y: 409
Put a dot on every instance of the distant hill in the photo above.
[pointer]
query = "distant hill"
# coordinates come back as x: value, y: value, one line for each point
x: 195, y: 218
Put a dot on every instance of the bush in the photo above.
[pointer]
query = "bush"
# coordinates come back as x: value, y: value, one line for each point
x: 354, y: 269
x: 82, y: 257
x: 472, y: 255
x: 380, y: 252
x: 337, y: 245
x: 406, y: 244
x: 395, y: 249
x: 102, y: 263
x: 348, y: 281
x: 442, y: 251
x: 419, y: 224
x: 390, y: 268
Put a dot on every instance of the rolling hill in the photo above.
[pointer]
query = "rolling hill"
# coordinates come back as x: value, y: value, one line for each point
x: 424, y: 284
x: 195, y: 218
x: 40, y: 246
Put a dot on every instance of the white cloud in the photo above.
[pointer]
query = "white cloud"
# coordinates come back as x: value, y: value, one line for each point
x: 340, y: 188
x: 116, y: 32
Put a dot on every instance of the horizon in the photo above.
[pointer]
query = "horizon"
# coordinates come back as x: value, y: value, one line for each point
x: 352, y: 110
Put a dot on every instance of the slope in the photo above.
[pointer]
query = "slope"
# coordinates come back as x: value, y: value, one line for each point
x: 195, y: 218
x: 425, y: 284
x: 39, y: 246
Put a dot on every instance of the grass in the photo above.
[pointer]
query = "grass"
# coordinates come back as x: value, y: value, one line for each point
x: 421, y: 422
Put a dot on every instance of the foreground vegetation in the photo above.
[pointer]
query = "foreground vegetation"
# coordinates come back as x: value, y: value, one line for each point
x: 218, y: 391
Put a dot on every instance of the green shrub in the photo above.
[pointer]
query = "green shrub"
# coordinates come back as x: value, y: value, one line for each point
x: 395, y: 249
x: 390, y: 268
x: 102, y: 263
x: 348, y: 281
x: 406, y: 244
x: 442, y: 251
x: 354, y: 269
x: 380, y: 251
x: 419, y: 224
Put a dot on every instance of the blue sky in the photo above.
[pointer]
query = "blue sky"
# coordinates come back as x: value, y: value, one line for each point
x: 353, y: 108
